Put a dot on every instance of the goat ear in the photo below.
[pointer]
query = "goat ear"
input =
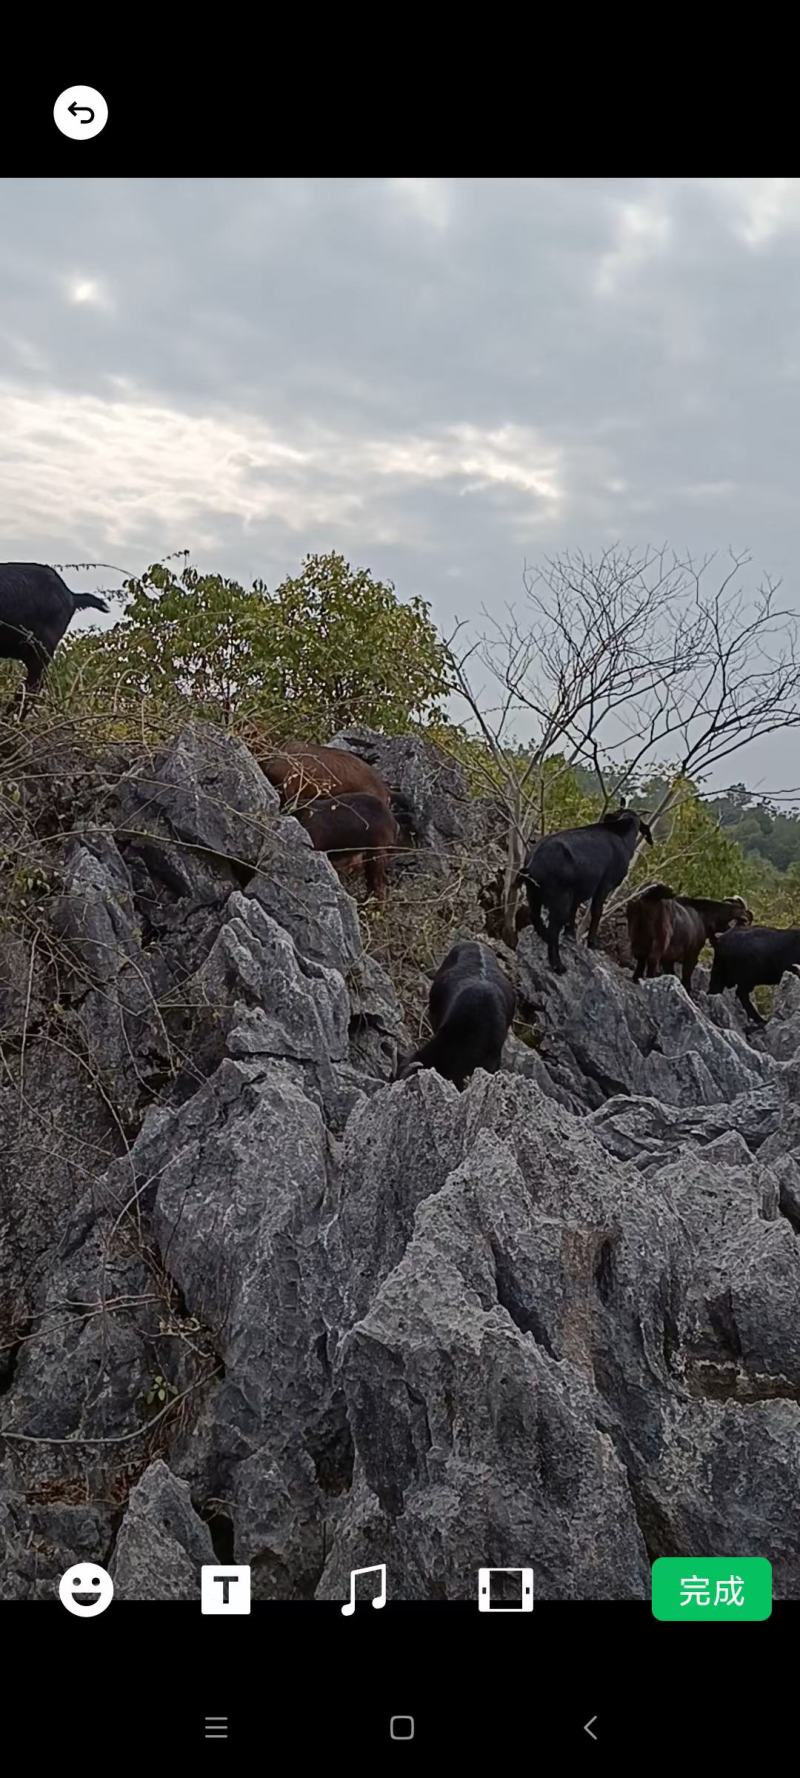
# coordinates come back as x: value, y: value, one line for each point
x: 645, y: 829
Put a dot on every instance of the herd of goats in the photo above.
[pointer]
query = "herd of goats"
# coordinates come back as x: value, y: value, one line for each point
x: 350, y: 813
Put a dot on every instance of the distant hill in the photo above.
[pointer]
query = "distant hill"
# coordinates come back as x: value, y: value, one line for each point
x: 759, y: 827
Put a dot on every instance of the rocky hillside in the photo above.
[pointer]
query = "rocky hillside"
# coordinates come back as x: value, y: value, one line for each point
x: 257, y: 1301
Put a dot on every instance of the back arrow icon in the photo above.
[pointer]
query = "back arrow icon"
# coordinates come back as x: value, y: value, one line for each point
x: 89, y: 118
x: 588, y: 1728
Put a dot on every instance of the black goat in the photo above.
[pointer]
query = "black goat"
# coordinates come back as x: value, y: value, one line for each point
x: 579, y: 864
x: 36, y: 607
x: 471, y: 1005
x: 751, y: 957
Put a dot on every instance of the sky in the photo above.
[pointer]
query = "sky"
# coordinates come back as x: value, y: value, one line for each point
x: 443, y: 379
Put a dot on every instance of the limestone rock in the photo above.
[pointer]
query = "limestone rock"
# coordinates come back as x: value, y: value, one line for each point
x: 161, y: 1544
x: 253, y: 1289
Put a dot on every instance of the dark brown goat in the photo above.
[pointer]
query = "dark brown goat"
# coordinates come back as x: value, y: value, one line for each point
x: 301, y: 772
x: 665, y: 929
x: 354, y: 830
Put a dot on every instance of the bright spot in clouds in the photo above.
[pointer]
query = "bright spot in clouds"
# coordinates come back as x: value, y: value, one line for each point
x: 86, y: 290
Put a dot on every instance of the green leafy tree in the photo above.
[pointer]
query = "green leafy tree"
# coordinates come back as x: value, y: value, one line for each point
x: 328, y: 648
x: 565, y: 797
x: 759, y: 827
x: 348, y: 651
x: 692, y: 851
x: 773, y: 895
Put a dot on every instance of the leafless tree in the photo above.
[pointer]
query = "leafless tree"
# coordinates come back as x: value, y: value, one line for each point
x: 631, y: 660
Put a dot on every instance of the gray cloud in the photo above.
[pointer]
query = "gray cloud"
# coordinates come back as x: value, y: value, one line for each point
x: 439, y: 378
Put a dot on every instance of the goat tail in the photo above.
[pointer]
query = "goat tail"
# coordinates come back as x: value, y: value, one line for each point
x: 88, y: 602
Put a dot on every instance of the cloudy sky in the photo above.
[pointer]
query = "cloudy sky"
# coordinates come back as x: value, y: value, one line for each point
x: 440, y: 378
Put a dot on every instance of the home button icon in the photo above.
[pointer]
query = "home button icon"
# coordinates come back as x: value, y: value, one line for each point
x: 401, y: 1728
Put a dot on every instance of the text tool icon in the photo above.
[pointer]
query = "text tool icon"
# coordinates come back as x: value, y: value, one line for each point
x: 224, y: 1591
x: 380, y: 1569
x: 505, y: 1589
x: 216, y: 1728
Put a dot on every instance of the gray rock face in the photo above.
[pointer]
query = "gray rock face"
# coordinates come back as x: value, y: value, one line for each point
x: 113, y: 988
x: 198, y: 817
x: 22, y: 988
x: 458, y: 1400
x: 39, y: 1543
x: 377, y: 1032
x: 209, y: 792
x: 644, y: 1130
x: 243, y: 1176
x: 646, y: 1038
x: 283, y: 1004
x: 57, y: 1136
x: 253, y: 1289
x: 782, y: 1037
x: 300, y: 890
x: 161, y: 1544
x: 782, y: 1152
x: 433, y: 786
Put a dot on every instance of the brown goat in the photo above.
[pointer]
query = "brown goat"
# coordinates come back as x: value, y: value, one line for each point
x: 665, y: 929
x: 354, y: 830
x: 301, y: 771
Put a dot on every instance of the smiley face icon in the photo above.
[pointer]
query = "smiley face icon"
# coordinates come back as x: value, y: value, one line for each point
x: 86, y: 1589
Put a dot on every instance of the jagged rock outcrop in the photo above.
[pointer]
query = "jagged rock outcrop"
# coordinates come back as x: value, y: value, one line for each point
x: 259, y: 1298
x: 161, y: 1544
x: 433, y: 786
x: 645, y: 1038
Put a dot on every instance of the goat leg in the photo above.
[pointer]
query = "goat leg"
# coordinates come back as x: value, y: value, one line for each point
x: 375, y: 874
x: 534, y: 895
x: 570, y: 925
x: 752, y: 1012
x: 597, y: 909
x: 553, y: 954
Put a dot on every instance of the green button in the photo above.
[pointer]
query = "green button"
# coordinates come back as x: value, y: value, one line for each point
x: 729, y: 1589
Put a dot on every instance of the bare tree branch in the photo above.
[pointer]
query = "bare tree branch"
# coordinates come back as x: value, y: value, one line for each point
x: 620, y: 662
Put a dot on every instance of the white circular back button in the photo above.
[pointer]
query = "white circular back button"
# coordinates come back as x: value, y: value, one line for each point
x: 80, y: 112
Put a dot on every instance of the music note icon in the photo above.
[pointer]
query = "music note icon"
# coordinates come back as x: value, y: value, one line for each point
x: 379, y: 1568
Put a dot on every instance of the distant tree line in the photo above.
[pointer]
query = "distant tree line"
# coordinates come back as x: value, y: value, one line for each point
x: 758, y: 826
